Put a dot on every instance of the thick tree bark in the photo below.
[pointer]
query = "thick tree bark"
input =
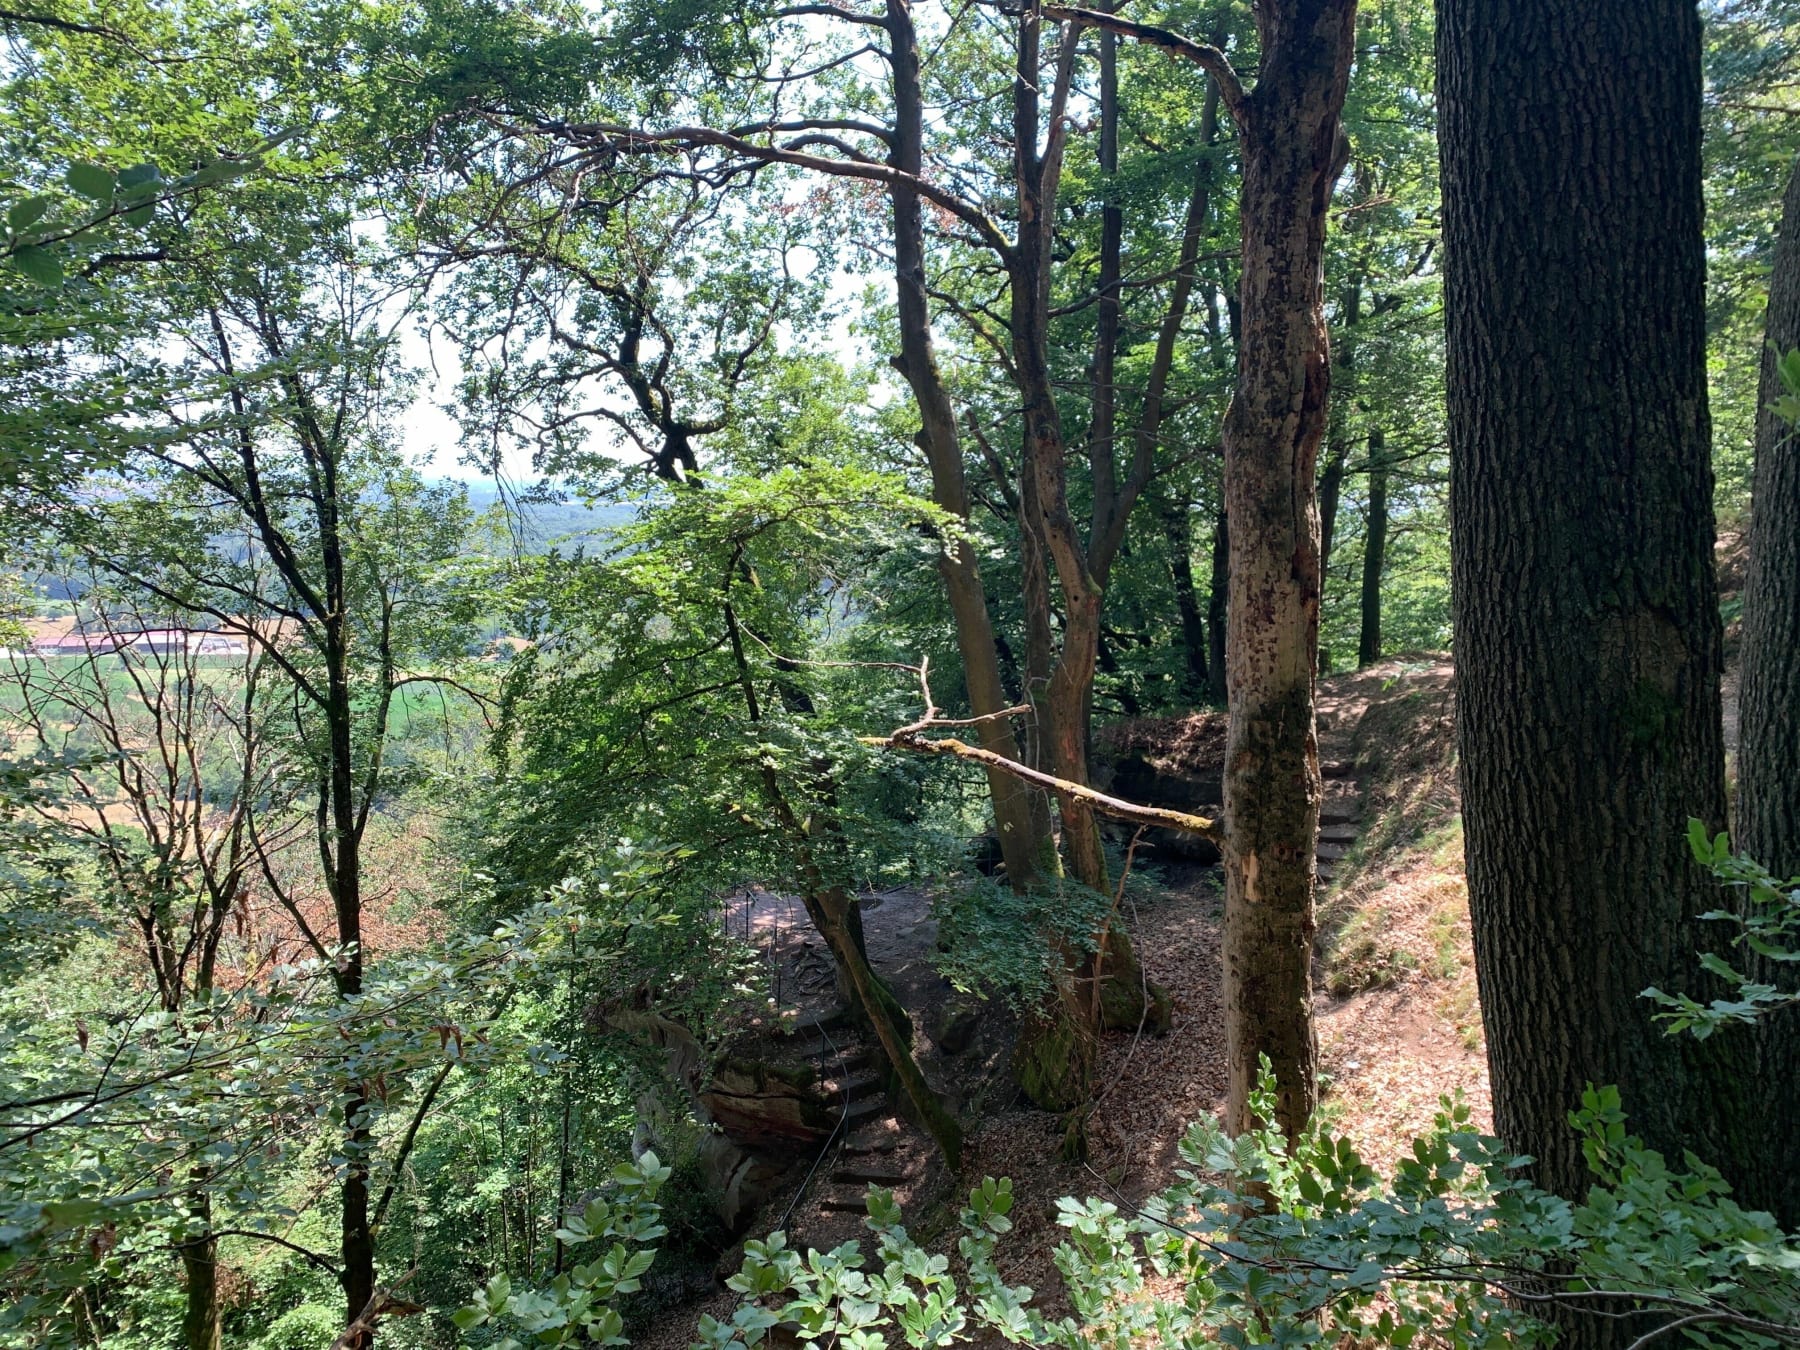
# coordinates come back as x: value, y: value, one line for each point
x: 1768, y: 800
x: 1024, y: 835
x: 1291, y: 158
x: 1768, y: 796
x: 1586, y: 617
x: 1368, y: 645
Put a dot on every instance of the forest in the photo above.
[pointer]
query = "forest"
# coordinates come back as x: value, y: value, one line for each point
x: 855, y: 674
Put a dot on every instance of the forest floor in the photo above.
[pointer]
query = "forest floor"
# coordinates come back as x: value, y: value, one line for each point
x: 1399, y: 1024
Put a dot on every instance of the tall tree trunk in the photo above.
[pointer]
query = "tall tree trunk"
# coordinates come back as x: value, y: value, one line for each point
x: 1040, y: 643
x: 1768, y: 797
x: 1055, y: 1056
x: 1331, y: 482
x: 1064, y: 711
x: 1586, y: 615
x: 1368, y: 646
x: 1178, y: 531
x: 1217, y: 619
x: 1024, y: 834
x: 341, y: 847
x: 1768, y: 801
x: 200, y: 1268
x: 1291, y: 158
x: 1331, y: 489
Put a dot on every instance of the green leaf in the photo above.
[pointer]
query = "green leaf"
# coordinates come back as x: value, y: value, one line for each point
x: 1698, y: 843
x: 39, y: 264
x: 467, y: 1319
x: 90, y: 180
x: 221, y: 171
x: 139, y: 177
x: 24, y: 214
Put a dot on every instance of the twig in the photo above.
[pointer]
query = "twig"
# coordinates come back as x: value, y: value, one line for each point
x: 360, y: 1334
x: 1096, y: 800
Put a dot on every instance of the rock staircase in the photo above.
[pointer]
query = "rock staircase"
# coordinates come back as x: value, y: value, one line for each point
x: 866, y: 1149
x: 1338, y: 815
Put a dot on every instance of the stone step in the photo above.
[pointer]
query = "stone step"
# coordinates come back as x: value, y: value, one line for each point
x: 828, y: 1020
x: 865, y: 1109
x: 830, y: 1044
x: 871, y: 1139
x: 853, y: 1087
x: 1337, y: 811
x: 854, y: 1172
x: 833, y: 1060
x: 1339, y: 832
x: 1337, y: 768
x: 844, y: 1202
x: 1329, y: 852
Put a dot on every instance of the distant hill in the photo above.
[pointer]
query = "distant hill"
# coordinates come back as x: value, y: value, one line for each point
x: 562, y: 525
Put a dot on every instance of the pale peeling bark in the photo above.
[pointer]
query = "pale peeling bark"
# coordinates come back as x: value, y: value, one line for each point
x: 1277, y: 420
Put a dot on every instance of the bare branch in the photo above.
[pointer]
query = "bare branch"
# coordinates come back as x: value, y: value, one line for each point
x: 630, y: 140
x: 1209, y: 58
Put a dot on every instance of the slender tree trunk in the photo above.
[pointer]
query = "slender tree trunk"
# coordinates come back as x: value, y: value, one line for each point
x: 1102, y: 389
x: 1331, y: 488
x: 1178, y: 530
x: 1368, y: 647
x: 1064, y: 712
x: 1054, y: 1060
x: 834, y: 914
x: 1040, y: 644
x: 1768, y: 797
x: 1024, y: 834
x: 1586, y: 614
x: 200, y: 1267
x: 1217, y: 617
x: 344, y: 878
x: 1273, y: 430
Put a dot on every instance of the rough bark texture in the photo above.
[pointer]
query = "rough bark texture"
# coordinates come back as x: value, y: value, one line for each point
x: 1768, y: 801
x: 1768, y: 797
x: 1368, y: 643
x: 1273, y: 430
x: 1024, y: 842
x: 1586, y: 615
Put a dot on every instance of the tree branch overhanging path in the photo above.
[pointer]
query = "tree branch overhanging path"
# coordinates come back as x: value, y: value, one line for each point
x: 1293, y: 149
x: 911, y: 738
